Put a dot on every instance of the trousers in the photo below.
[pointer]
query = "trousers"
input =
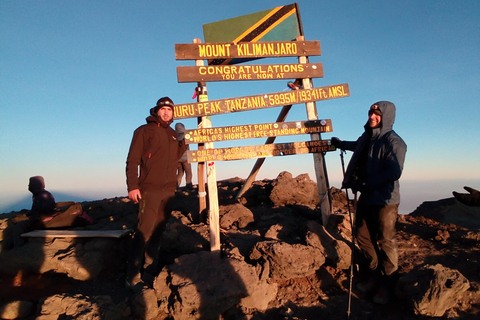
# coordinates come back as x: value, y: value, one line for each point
x: 184, y: 168
x: 375, y: 233
x: 155, y: 208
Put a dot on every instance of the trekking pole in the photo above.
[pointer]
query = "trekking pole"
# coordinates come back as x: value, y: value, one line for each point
x: 353, y: 237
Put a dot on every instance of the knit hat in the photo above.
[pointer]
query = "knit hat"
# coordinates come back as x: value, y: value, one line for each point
x: 375, y: 109
x: 162, y: 103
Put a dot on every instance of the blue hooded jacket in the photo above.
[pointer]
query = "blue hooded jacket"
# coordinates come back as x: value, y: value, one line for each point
x: 377, y: 161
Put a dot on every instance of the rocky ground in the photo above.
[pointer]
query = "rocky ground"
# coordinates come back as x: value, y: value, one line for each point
x: 277, y: 262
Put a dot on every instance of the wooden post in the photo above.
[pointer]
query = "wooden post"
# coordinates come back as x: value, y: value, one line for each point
x: 318, y: 158
x: 202, y: 194
x: 213, y: 213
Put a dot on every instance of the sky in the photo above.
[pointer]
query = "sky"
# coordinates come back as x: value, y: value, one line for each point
x: 78, y: 77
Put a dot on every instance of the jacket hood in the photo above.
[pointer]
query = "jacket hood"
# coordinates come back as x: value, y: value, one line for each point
x: 180, y: 130
x: 36, y: 184
x: 388, y: 117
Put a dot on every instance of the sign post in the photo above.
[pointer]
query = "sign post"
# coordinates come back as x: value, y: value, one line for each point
x: 213, y: 212
x: 271, y: 33
x: 318, y: 158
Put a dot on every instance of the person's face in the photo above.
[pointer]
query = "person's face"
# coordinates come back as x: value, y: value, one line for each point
x: 374, y: 119
x: 165, y: 113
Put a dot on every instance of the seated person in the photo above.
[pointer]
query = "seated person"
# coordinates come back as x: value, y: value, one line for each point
x: 43, y: 201
x: 46, y: 214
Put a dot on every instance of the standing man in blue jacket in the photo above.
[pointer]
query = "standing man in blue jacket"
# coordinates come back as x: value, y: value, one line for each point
x: 374, y: 170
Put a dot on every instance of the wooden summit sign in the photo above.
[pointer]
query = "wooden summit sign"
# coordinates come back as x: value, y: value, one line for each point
x: 260, y: 151
x: 204, y: 135
x: 249, y: 72
x: 269, y: 100
x: 265, y: 49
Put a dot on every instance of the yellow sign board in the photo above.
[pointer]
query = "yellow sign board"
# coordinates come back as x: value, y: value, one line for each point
x: 262, y: 130
x: 278, y: 99
x: 260, y: 151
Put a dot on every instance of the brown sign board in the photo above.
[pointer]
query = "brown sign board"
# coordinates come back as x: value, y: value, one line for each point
x: 269, y: 100
x: 249, y: 72
x: 260, y: 151
x: 250, y: 50
x: 263, y: 130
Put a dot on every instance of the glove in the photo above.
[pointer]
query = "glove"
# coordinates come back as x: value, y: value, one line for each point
x: 337, y: 142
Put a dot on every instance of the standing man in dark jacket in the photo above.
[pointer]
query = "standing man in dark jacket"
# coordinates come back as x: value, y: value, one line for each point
x: 155, y: 149
x: 374, y: 170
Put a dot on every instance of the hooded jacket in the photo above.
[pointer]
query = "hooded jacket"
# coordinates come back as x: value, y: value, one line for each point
x: 156, y: 150
x: 180, y: 130
x: 377, y: 161
x: 43, y: 201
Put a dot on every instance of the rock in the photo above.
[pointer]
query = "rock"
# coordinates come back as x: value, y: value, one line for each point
x: 450, y: 211
x: 145, y: 306
x: 288, y: 191
x: 432, y: 290
x: 61, y: 256
x: 337, y: 252
x: 235, y: 216
x: 79, y: 307
x: 16, y: 310
x: 204, y: 285
x: 287, y: 261
x: 183, y: 237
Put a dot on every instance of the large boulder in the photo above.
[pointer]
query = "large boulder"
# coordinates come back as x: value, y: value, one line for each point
x: 288, y: 191
x: 338, y: 253
x: 80, y: 307
x: 16, y: 309
x: 80, y: 259
x: 235, y: 216
x: 204, y: 285
x: 281, y: 260
x: 144, y: 305
x: 432, y: 289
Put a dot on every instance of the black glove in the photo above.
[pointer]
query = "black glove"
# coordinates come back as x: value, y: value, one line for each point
x: 337, y: 142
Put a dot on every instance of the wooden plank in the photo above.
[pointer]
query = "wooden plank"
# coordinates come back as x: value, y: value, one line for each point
x: 77, y: 233
x: 268, y: 100
x: 260, y: 151
x: 262, y: 130
x: 249, y: 72
x: 263, y: 49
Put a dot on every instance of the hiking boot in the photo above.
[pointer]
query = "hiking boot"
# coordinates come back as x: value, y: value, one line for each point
x: 383, y: 295
x: 367, y: 286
